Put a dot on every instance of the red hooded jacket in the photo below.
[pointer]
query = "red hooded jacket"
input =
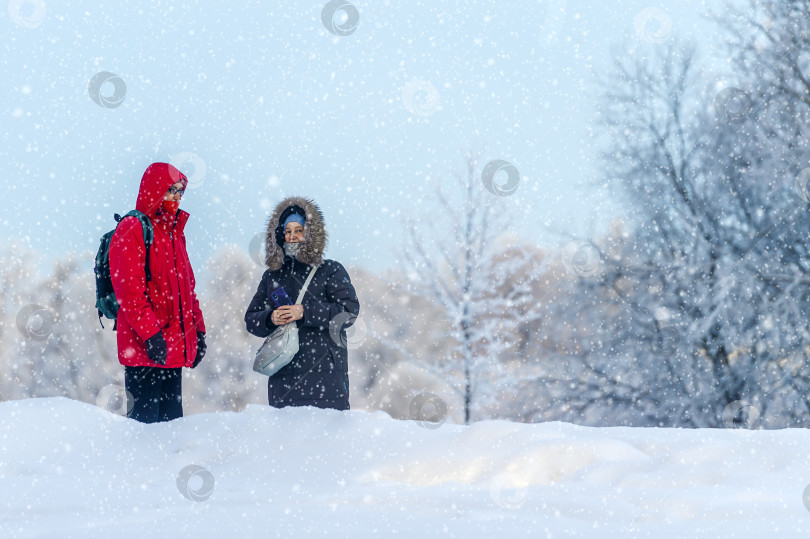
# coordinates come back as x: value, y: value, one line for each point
x: 168, y: 302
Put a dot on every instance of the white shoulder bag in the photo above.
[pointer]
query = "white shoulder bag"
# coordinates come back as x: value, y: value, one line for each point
x: 280, y: 347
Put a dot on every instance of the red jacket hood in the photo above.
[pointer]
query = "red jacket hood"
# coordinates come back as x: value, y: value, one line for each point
x: 156, y: 180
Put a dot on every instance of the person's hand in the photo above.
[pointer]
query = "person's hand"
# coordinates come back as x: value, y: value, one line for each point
x: 201, y: 349
x: 156, y: 348
x: 288, y: 313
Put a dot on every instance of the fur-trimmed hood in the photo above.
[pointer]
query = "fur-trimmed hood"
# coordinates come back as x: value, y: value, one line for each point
x: 314, y: 242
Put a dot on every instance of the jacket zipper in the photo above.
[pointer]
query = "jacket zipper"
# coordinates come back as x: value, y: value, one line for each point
x: 179, y: 296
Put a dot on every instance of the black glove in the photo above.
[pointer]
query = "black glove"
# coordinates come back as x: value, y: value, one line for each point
x: 201, y: 348
x: 156, y: 348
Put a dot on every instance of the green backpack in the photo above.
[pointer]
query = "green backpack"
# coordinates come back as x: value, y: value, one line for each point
x: 106, y: 303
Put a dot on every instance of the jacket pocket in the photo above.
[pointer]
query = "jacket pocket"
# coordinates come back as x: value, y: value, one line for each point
x: 162, y: 310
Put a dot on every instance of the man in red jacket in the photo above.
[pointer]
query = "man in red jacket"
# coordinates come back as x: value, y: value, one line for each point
x: 160, y: 325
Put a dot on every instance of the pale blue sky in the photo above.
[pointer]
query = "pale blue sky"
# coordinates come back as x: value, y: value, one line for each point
x: 267, y: 103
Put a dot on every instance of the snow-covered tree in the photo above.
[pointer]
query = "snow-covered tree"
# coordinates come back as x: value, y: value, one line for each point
x: 17, y: 274
x: 703, y: 301
x: 461, y: 257
x: 52, y: 341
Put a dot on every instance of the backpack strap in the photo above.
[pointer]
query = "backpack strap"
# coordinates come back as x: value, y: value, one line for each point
x: 148, y: 236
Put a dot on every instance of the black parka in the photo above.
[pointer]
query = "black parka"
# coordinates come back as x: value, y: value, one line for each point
x: 318, y: 375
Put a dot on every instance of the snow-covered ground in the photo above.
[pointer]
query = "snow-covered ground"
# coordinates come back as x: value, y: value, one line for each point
x: 70, y: 469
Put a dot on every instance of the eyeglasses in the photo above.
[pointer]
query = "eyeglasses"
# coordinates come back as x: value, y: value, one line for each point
x: 175, y: 191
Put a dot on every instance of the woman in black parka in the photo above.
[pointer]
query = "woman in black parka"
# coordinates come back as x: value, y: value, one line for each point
x: 318, y: 375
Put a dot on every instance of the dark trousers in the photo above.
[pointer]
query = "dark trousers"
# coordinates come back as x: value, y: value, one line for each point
x: 282, y: 393
x: 155, y: 394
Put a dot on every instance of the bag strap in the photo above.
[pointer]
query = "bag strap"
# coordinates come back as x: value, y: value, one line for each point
x: 148, y: 236
x: 306, y: 284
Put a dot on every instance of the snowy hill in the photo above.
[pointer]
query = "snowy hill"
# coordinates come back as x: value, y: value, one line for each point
x: 70, y: 469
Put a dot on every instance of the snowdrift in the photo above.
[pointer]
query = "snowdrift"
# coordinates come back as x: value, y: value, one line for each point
x: 71, y: 469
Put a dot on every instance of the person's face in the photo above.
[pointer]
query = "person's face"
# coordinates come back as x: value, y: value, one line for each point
x: 293, y: 232
x: 175, y: 192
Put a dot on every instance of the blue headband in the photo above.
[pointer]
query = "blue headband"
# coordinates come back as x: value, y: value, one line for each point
x: 294, y: 217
